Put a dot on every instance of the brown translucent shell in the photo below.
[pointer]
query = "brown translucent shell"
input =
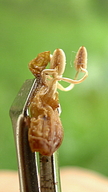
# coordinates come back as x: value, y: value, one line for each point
x: 45, y: 133
x: 38, y: 64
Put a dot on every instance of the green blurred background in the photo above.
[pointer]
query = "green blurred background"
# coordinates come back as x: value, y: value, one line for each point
x: 30, y: 27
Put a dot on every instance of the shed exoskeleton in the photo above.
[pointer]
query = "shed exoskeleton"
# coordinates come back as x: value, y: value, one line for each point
x: 45, y: 133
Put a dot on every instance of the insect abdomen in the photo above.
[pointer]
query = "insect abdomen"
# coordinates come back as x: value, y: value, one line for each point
x: 45, y: 133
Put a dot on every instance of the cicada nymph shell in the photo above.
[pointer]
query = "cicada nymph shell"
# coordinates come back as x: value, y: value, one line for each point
x: 45, y: 132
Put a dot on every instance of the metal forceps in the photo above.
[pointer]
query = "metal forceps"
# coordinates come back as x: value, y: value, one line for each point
x: 37, y: 173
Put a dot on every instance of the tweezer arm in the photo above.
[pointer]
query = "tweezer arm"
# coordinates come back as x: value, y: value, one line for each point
x: 28, y: 176
x: 49, y: 173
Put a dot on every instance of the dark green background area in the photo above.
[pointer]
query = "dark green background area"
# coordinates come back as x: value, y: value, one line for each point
x: 30, y: 27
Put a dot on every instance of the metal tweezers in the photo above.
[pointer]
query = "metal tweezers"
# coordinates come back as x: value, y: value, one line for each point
x: 37, y: 173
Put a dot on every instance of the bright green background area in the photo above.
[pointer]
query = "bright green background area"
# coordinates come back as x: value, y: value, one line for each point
x: 31, y: 27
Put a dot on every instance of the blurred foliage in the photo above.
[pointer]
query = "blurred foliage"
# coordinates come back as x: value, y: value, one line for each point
x: 30, y: 27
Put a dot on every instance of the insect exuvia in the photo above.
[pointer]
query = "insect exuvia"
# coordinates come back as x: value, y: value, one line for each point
x: 45, y: 133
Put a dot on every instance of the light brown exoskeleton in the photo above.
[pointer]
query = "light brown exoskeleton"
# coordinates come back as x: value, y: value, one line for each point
x: 45, y: 133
